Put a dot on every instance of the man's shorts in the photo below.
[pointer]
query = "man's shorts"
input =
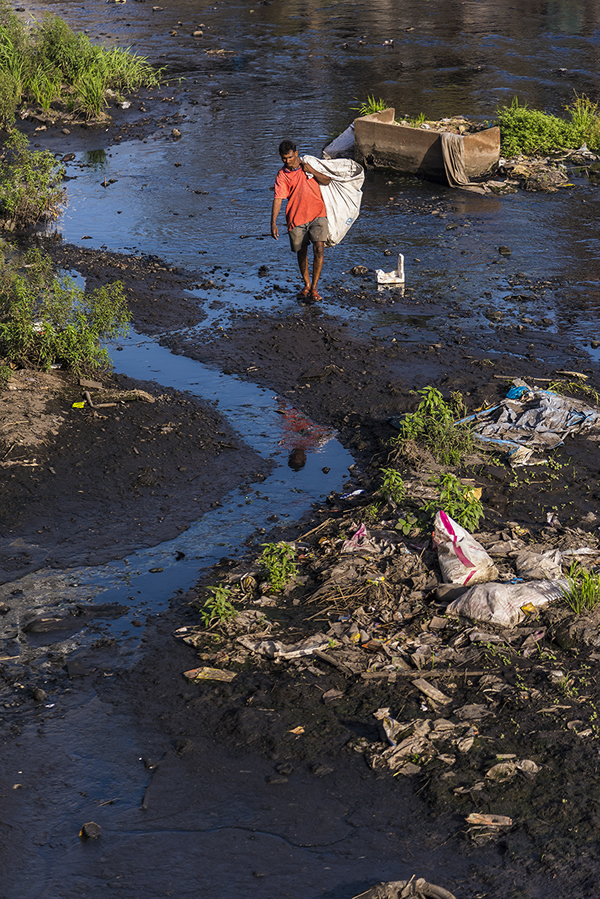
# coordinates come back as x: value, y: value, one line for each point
x: 302, y: 235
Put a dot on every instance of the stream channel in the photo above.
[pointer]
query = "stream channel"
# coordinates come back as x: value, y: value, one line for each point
x: 256, y: 75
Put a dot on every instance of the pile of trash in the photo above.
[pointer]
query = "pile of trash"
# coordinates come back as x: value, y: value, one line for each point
x: 445, y: 632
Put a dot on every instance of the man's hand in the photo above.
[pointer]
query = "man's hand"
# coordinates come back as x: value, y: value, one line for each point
x: 274, y: 214
x: 319, y: 178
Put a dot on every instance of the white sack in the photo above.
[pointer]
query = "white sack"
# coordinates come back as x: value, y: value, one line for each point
x: 503, y: 603
x: 462, y: 559
x: 342, y: 196
x: 539, y: 566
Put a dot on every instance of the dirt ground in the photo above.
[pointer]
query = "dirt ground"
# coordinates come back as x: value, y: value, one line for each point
x: 82, y: 485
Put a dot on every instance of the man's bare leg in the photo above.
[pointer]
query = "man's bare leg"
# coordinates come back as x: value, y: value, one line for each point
x: 319, y: 255
x: 303, y: 265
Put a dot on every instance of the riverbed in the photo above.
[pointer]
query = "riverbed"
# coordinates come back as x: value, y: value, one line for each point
x: 180, y: 812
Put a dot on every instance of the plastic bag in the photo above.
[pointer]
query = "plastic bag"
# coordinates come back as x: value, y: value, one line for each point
x: 505, y: 604
x: 342, y: 196
x: 539, y: 566
x: 462, y: 559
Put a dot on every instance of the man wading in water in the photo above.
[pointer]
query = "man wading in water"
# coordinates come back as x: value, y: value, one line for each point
x: 298, y: 183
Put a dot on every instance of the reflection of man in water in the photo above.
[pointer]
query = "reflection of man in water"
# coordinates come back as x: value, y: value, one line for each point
x: 305, y: 213
x: 297, y: 459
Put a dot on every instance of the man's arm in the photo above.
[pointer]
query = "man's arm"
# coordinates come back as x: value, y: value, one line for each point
x: 319, y: 178
x: 274, y: 213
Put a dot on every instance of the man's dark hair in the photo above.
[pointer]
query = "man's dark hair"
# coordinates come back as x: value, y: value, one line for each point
x: 287, y: 146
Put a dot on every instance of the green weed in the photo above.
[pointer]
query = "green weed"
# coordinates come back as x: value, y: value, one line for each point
x: 46, y: 320
x: 370, y: 105
x: 217, y: 609
x: 529, y: 132
x: 392, y: 485
x: 433, y: 426
x: 582, y: 593
x: 279, y: 562
x: 29, y: 183
x: 566, y: 387
x: 458, y: 501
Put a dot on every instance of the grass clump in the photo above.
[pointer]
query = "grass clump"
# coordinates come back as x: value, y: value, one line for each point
x: 30, y: 188
x: 55, y: 67
x: 582, y: 593
x: 433, y: 426
x: 47, y: 320
x: 458, y: 500
x: 370, y: 105
x: 278, y: 560
x: 530, y: 132
x: 217, y: 609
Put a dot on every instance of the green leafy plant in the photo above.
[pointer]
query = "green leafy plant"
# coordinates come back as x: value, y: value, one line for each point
x: 279, y: 562
x: 217, y: 609
x: 433, y: 426
x: 45, y: 319
x: 409, y: 524
x: 392, y: 485
x: 458, y: 500
x: 582, y: 593
x: 370, y: 105
x: 528, y: 131
x: 30, y: 187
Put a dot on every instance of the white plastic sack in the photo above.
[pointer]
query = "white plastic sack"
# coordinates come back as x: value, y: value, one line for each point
x: 539, y: 566
x: 462, y: 559
x: 503, y: 603
x: 342, y: 196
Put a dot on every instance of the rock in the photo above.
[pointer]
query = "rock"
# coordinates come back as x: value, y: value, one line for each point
x: 4, y: 608
x: 505, y: 251
x: 175, y: 133
x: 359, y: 270
x: 90, y: 831
x: 39, y: 695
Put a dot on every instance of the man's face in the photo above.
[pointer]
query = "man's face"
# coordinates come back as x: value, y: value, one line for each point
x: 291, y: 159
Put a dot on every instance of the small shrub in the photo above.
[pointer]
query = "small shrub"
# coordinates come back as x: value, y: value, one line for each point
x: 458, y: 500
x: 29, y: 183
x: 432, y: 425
x: 217, y: 609
x: 392, y: 485
x: 582, y: 593
x: 46, y: 320
x: 279, y: 562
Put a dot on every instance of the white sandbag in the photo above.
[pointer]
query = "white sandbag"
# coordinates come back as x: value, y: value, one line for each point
x: 503, y: 603
x: 462, y: 559
x: 342, y: 196
x: 539, y: 566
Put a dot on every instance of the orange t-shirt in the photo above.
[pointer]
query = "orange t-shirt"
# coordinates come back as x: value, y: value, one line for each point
x: 303, y: 195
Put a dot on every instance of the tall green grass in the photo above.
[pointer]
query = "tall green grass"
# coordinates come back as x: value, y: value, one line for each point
x: 529, y: 132
x: 54, y: 67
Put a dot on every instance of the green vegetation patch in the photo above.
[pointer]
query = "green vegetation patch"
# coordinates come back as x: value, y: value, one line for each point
x: 47, y: 320
x: 529, y: 132
x: 52, y: 66
x: 278, y: 560
x: 30, y: 188
x: 582, y: 593
x: 433, y: 426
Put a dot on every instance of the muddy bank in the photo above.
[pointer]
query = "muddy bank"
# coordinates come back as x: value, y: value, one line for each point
x: 82, y: 485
